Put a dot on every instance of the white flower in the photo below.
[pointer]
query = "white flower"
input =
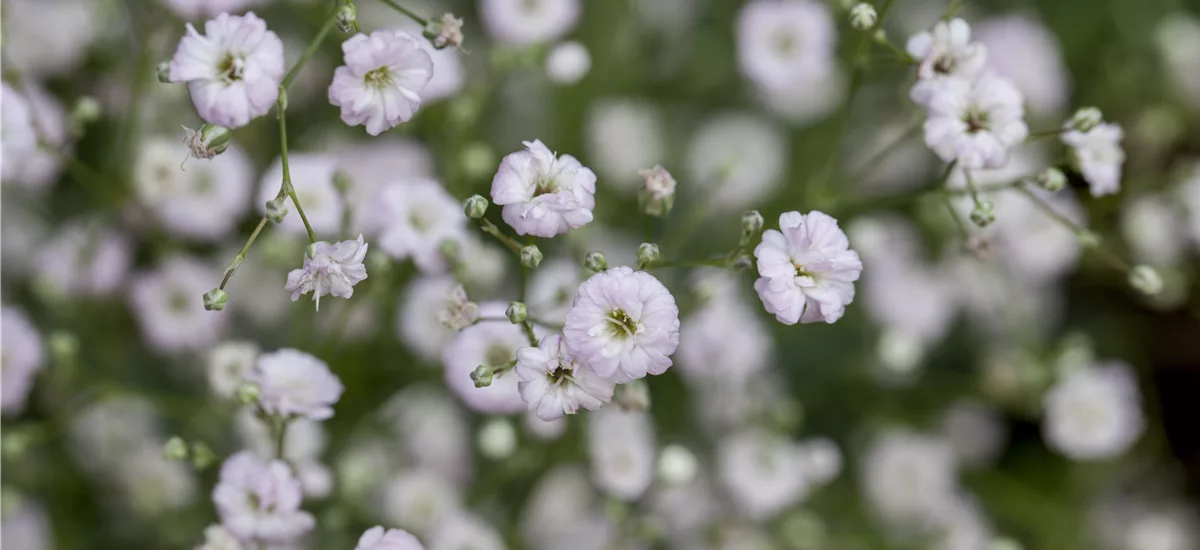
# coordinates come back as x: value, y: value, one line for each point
x: 153, y: 486
x: 552, y: 288
x: 228, y: 365
x: 806, y: 100
x: 782, y: 43
x: 542, y: 194
x: 371, y: 165
x: 419, y: 500
x: 24, y: 523
x: 306, y: 439
x: 51, y: 37
x: 21, y: 355
x: 312, y: 177
x: 1155, y: 229
x: 553, y: 383
x: 621, y: 448
x: 419, y: 317
x: 975, y: 430
x: 706, y: 349
x: 233, y: 71
x: 738, y: 158
x: 568, y: 63
x: 945, y: 55
x: 622, y: 136
x: 332, y: 269
x: 376, y: 538
x: 1022, y: 49
x: 1177, y: 36
x: 84, y: 259
x: 1188, y: 195
x: 1093, y: 412
x: 20, y: 137
x: 907, y: 477
x: 195, y: 9
x: 417, y: 216
x: 169, y: 306
x: 292, y: 382
x: 217, y: 537
x: 975, y: 123
x: 545, y: 429
x: 561, y: 501
x: 807, y: 270
x: 763, y: 473
x: 201, y: 200
x: 449, y: 75
x: 465, y: 530
x: 260, y: 501
x: 624, y: 324
x: 1099, y: 156
x: 105, y: 433
x: 432, y: 431
x: 490, y: 343
x: 820, y: 460
x: 378, y: 85
x: 521, y: 23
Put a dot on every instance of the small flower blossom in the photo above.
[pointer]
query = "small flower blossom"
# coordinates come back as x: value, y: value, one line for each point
x: 193, y: 9
x: 445, y: 31
x: 465, y: 530
x: 416, y: 218
x: 233, y: 71
x: 763, y: 473
x: 202, y: 201
x: 1021, y: 48
x: 419, y: 500
x: 169, y: 306
x: 907, y: 477
x: 376, y: 538
x: 806, y: 270
x: 738, y: 158
x: 493, y: 344
x: 622, y: 136
x: 1099, y: 156
x: 419, y: 317
x: 217, y: 537
x: 621, y: 448
x: 554, y: 384
x: 1093, y: 412
x: 623, y: 325
x: 568, y: 63
x: 21, y: 354
x: 522, y: 23
x: 20, y: 137
x: 543, y: 194
x: 782, y: 43
x: 658, y: 192
x: 975, y: 123
x: 945, y: 54
x: 378, y: 85
x: 331, y: 269
x: 228, y: 365
x: 84, y: 259
x: 312, y: 177
x: 459, y: 312
x: 260, y: 501
x: 292, y: 382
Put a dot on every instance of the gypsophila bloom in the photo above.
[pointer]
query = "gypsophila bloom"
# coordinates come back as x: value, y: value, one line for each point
x: 658, y: 192
x: 217, y: 537
x: 228, y: 365
x: 432, y: 430
x: 1093, y: 412
x: 553, y: 383
x: 169, y: 306
x: 24, y: 524
x: 419, y: 500
x: 233, y: 71
x: 975, y: 123
x: 623, y: 325
x: 1099, y: 156
x: 194, y: 9
x: 908, y: 477
x: 806, y: 270
x: 522, y: 23
x: 1022, y: 49
x: 820, y: 460
x: 332, y: 269
x: 378, y: 85
x: 204, y: 200
x: 312, y: 177
x: 465, y: 530
x: 493, y: 344
x: 292, y: 382
x: 552, y: 288
x: 543, y: 194
x: 446, y: 31
x: 737, y: 158
x: 419, y: 317
x: 376, y: 538
x: 37, y: 167
x: 20, y: 137
x: 21, y: 357
x: 260, y: 501
x: 621, y: 448
x: 153, y: 486
x: 459, y: 312
x: 417, y: 217
x: 622, y: 136
x: 762, y: 472
x: 84, y: 259
x: 568, y: 63
x: 945, y: 54
x: 783, y: 43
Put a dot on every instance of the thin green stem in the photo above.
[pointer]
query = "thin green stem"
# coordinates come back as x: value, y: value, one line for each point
x: 241, y: 255
x: 287, y: 188
x: 1034, y: 136
x: 527, y: 327
x: 411, y: 15
x: 872, y: 162
x: 310, y: 50
x: 711, y: 262
x: 958, y: 223
x: 280, y: 428
x: 1089, y: 239
x: 490, y: 228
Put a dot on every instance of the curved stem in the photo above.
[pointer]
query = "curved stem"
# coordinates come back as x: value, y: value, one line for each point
x: 287, y: 174
x: 310, y: 50
x: 411, y: 15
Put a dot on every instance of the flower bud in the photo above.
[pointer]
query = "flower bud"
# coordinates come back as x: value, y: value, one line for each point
x: 676, y: 465
x: 277, y: 209
x: 475, y: 207
x: 85, y: 112
x: 647, y: 255
x: 497, y: 439
x: 175, y: 449
x: 215, y: 299
x: 1051, y: 179
x: 482, y: 376
x: 531, y: 256
x: 202, y: 456
x: 444, y: 31
x: 517, y: 313
x: 634, y: 396
x: 207, y: 142
x: 347, y: 18
x: 863, y: 16
x: 247, y: 393
x: 64, y: 347
x: 984, y: 214
x: 163, y: 71
x: 1088, y: 239
x: 595, y: 261
x: 752, y: 224
x: 1086, y: 118
x: 742, y: 262
x: 1145, y: 279
x: 657, y: 194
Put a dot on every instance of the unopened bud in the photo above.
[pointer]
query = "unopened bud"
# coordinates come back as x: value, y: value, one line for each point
x: 742, y: 262
x: 1088, y: 239
x: 1086, y: 118
x: 677, y: 465
x: 207, y: 142
x: 85, y: 112
x: 657, y: 195
x: 1051, y: 179
x: 163, y: 71
x: 647, y: 255
x: 517, y: 313
x: 175, y: 449
x: 634, y: 396
x: 347, y: 18
x: 475, y: 207
x: 984, y: 214
x: 247, y: 393
x: 752, y: 224
x: 202, y: 456
x: 863, y: 16
x: 497, y: 439
x: 1145, y: 279
x: 215, y: 299
x: 310, y: 251
x: 64, y: 347
x: 444, y: 31
x: 595, y: 261
x: 482, y: 376
x: 277, y: 209
x: 531, y: 256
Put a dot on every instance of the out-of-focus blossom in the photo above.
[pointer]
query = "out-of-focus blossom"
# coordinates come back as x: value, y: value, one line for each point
x: 432, y: 431
x: 621, y: 448
x: 1178, y: 40
x: 417, y: 218
x: 376, y: 538
x: 22, y: 355
x: 25, y: 525
x: 154, y: 486
x: 553, y: 383
x: 568, y: 63
x: 217, y: 537
x: 738, y: 159
x: 622, y: 136
x: 1099, y: 156
x: 419, y: 318
x: 195, y: 9
x: 84, y: 260
x: 907, y: 478
x: 762, y: 472
x: 169, y: 306
x: 378, y: 86
x: 1154, y: 229
x: 784, y: 43
x: 51, y: 37
x: 419, y: 501
x: 33, y: 165
x: 806, y: 269
x: 332, y: 269
x: 544, y: 194
x: 1093, y: 412
x: 465, y: 530
x: 975, y: 431
x: 204, y: 199
x: 705, y: 338
x: 946, y: 55
x: 1021, y: 49
x: 260, y: 501
x: 975, y: 123
x: 552, y: 289
x: 312, y: 177
x: 292, y: 382
x: 20, y: 138
x: 493, y: 344
x: 1189, y: 196
x: 228, y: 365
x: 521, y: 23
x: 106, y: 432
x: 820, y: 460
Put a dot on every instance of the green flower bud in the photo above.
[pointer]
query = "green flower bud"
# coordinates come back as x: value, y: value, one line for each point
x: 342, y: 181
x: 64, y: 347
x: 752, y: 224
x: 215, y: 299
x: 1051, y: 179
x: 595, y: 262
x: 247, y: 393
x: 531, y: 256
x: 1087, y: 118
x: 517, y: 312
x: 163, y: 71
x: 347, y: 18
x: 863, y: 16
x: 647, y: 255
x: 207, y: 142
x: 202, y: 456
x: 175, y: 449
x: 475, y: 207
x: 482, y: 376
x: 984, y: 214
x: 1145, y: 279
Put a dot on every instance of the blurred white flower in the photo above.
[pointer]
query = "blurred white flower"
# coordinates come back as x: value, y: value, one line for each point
x: 418, y: 216
x: 84, y: 259
x: 820, y: 460
x: 544, y: 194
x: 807, y: 270
x: 20, y: 137
x: 195, y: 9
x: 260, y: 501
x: 805, y: 101
x: 25, y: 525
x: 292, y: 382
x: 560, y: 504
x: 376, y: 538
x: 623, y: 325
x: 552, y: 289
x: 1165, y: 528
x: 378, y: 86
x: 1099, y: 156
x: 169, y: 306
x: 622, y: 136
x: 22, y: 355
x: 1093, y: 412
x: 975, y: 123
x: 685, y: 510
x: 568, y: 63
x: 1178, y: 39
x: 154, y: 486
x: 204, y: 199
x: 763, y: 473
x: 30, y: 165
x: 419, y: 318
x: 545, y: 429
x: 432, y: 431
x: 228, y: 365
x: 908, y: 478
x: 233, y: 71
x: 1021, y: 49
x: 737, y: 160
x: 51, y: 37
x: 1154, y: 229
x: 306, y: 439
x: 312, y: 177
x: 621, y: 448
x: 947, y: 57
x: 217, y: 537
x: 1189, y: 196
x: 419, y: 501
x: 522, y: 23
x: 465, y: 530
x: 975, y: 430
x: 107, y: 431
x: 370, y: 165
x: 783, y: 43
x: 490, y: 343
x: 332, y: 269
x: 22, y: 235
x: 553, y: 383
x: 705, y: 338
